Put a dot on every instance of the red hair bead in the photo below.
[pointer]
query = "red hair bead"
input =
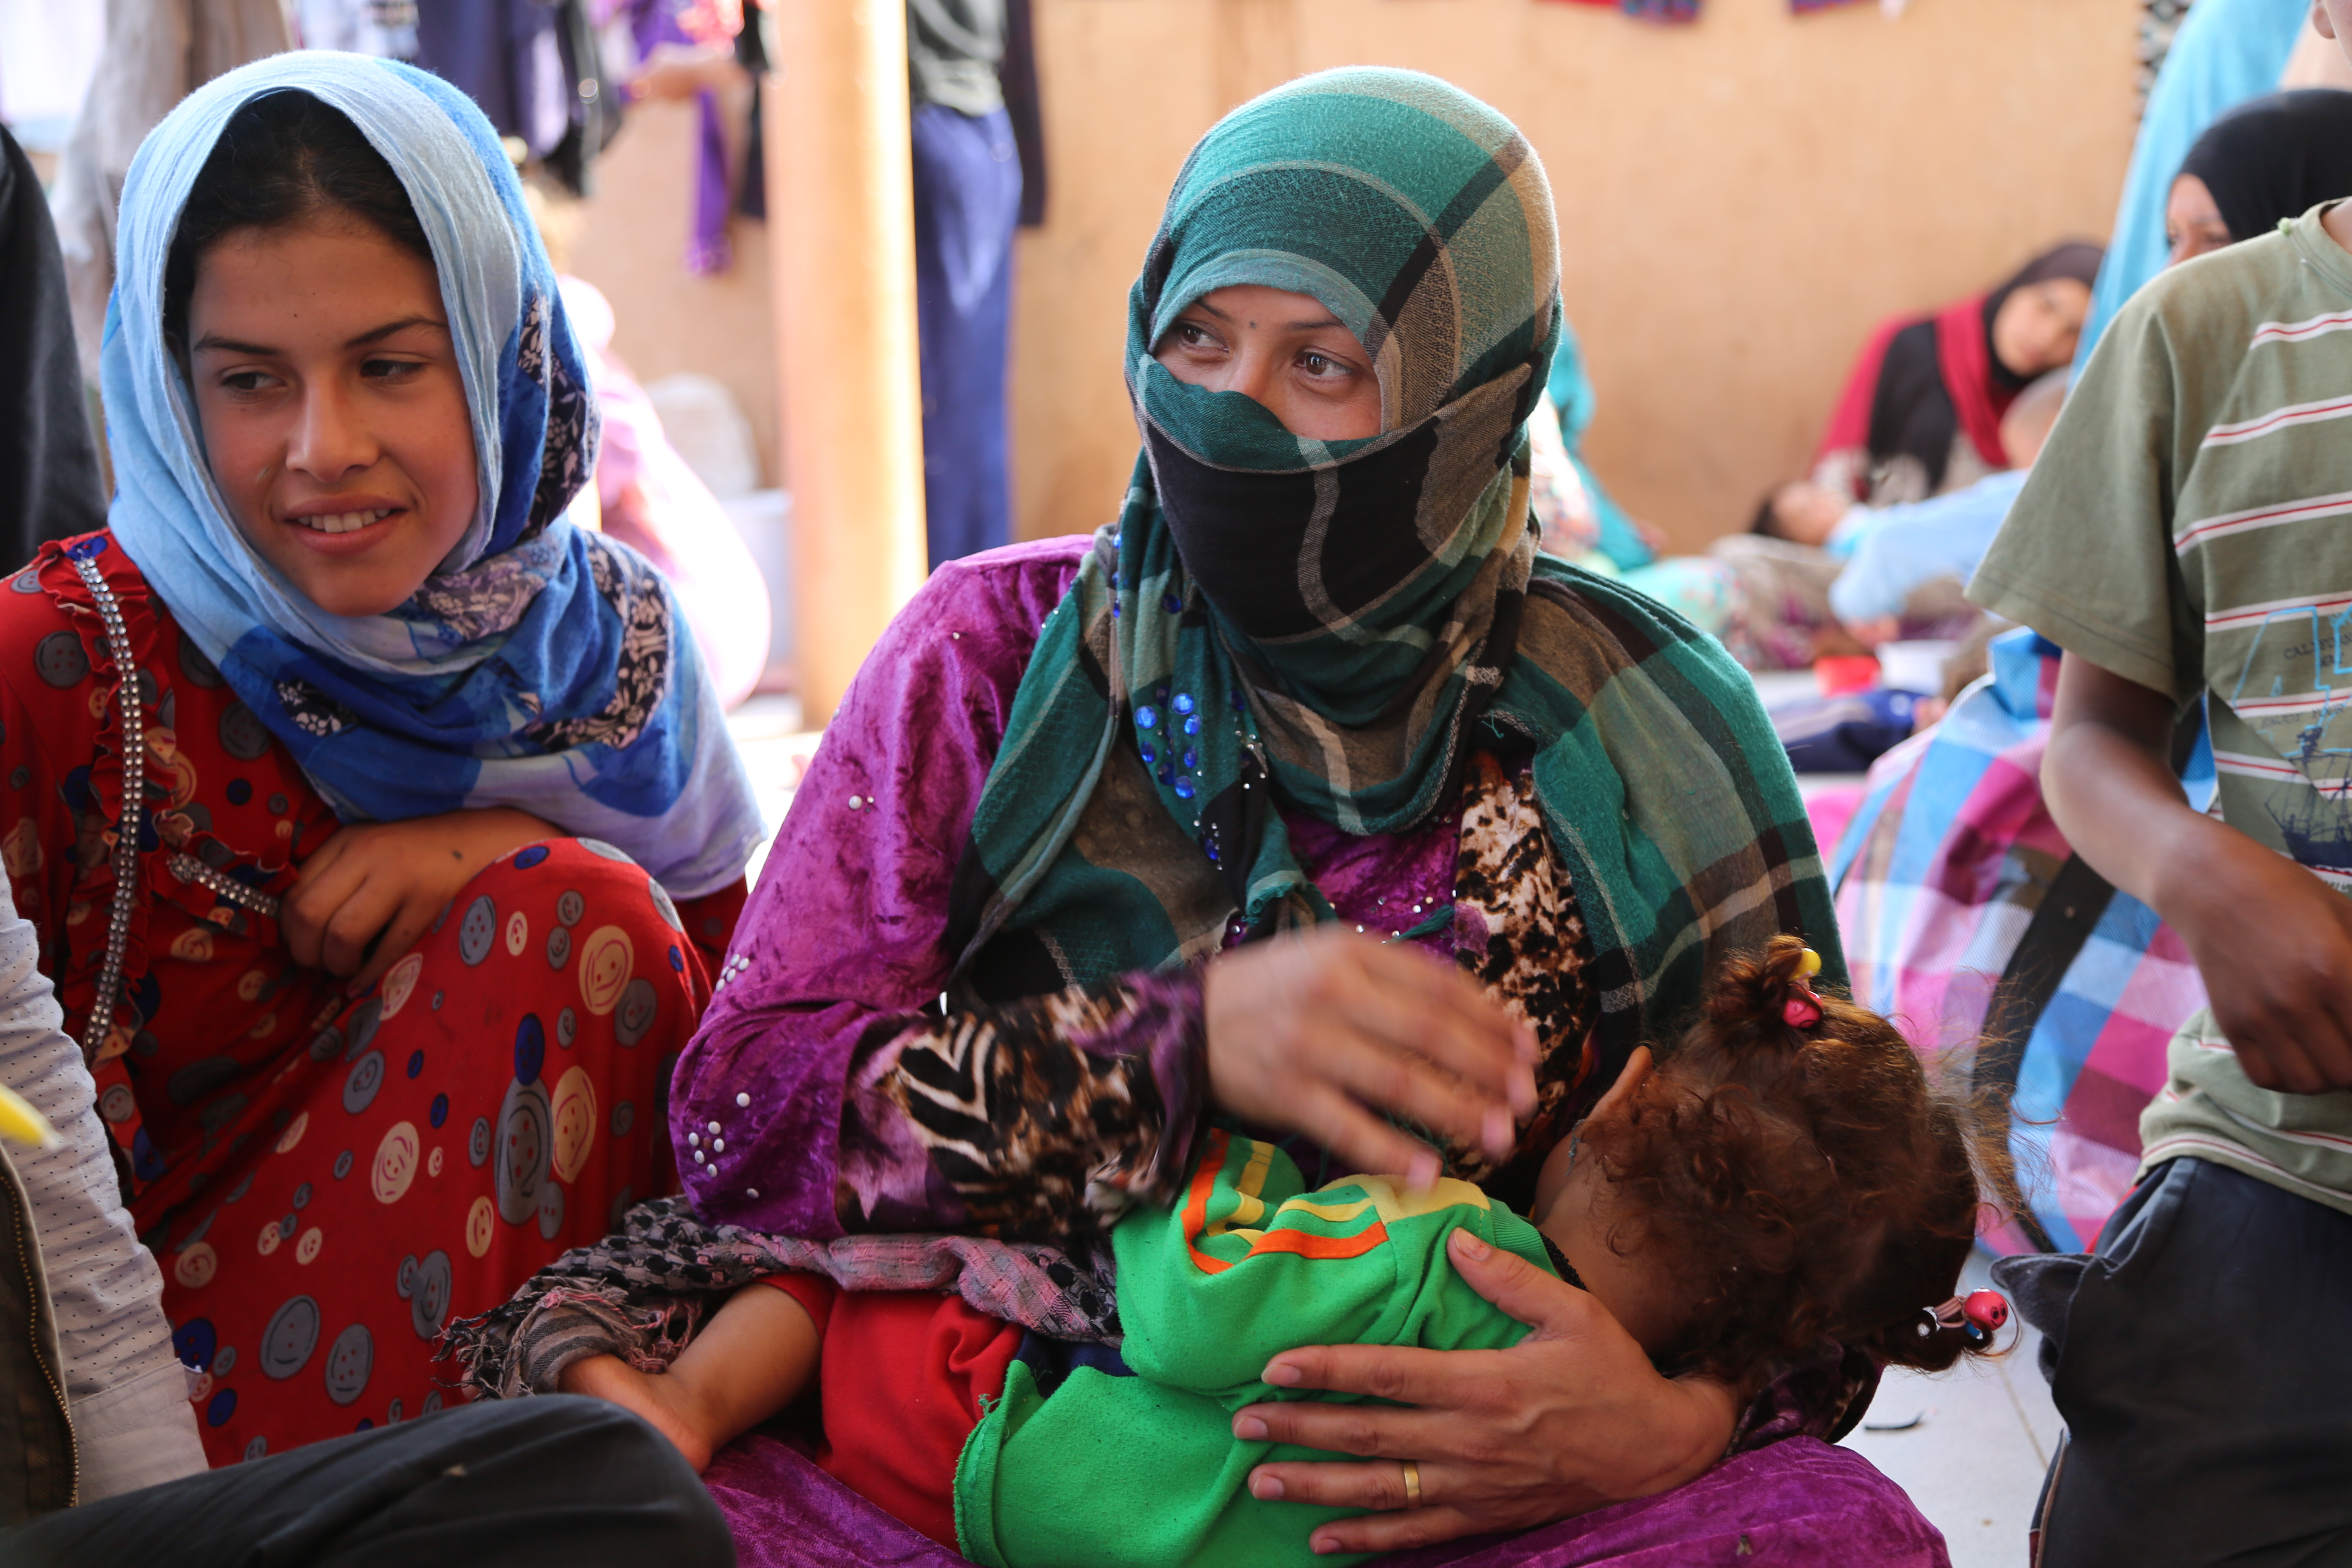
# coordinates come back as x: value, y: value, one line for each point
x: 1986, y: 1308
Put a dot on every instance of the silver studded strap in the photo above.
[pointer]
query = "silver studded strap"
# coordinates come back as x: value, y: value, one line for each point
x: 225, y: 888
x: 187, y: 867
x: 134, y: 810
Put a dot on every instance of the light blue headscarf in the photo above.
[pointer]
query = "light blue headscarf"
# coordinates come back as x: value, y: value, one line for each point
x: 2226, y: 52
x: 541, y: 667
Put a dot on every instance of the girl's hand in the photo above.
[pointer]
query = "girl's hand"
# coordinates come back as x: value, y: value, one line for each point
x: 1571, y: 1418
x: 1327, y: 1033
x: 368, y: 894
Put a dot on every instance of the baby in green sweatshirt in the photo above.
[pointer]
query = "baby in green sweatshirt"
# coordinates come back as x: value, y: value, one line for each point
x: 1786, y: 1174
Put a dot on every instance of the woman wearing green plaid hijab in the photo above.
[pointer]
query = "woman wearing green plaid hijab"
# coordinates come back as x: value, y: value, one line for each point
x: 1306, y: 796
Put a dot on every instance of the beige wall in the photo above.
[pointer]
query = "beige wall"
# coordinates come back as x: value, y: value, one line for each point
x: 1740, y: 200
x: 630, y: 239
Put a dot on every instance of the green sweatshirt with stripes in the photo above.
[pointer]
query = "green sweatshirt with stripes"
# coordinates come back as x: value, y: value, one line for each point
x: 1109, y: 1470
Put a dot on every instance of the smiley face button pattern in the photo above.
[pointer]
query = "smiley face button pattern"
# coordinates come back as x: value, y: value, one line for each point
x: 291, y: 1335
x: 521, y: 1153
x: 431, y: 1158
x: 349, y: 1363
x: 479, y: 929
x: 424, y: 1285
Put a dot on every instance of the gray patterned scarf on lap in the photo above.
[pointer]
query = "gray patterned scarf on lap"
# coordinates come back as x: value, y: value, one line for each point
x: 642, y: 1293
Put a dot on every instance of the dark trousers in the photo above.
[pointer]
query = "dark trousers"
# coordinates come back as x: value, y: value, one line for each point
x: 2203, y: 1358
x: 967, y: 203
x: 563, y: 1482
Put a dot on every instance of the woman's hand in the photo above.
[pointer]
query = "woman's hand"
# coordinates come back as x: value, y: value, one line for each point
x: 370, y: 891
x: 1325, y: 1033
x: 1571, y: 1418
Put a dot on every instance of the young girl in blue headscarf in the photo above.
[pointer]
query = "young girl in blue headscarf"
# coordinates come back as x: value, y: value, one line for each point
x: 379, y: 825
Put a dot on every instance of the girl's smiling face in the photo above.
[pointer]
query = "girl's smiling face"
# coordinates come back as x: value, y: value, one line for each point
x: 1284, y: 351
x: 332, y: 411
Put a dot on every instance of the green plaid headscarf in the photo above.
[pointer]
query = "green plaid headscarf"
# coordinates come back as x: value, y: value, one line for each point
x: 1325, y: 619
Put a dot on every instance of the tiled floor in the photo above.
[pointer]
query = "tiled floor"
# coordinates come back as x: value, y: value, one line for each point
x: 1969, y: 1446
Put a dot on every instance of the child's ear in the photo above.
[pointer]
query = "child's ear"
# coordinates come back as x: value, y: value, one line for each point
x: 1633, y: 1076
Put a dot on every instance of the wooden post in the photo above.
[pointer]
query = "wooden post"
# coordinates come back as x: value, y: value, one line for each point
x: 841, y: 226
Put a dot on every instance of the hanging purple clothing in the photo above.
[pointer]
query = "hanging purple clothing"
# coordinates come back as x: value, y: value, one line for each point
x: 967, y: 205
x: 652, y: 24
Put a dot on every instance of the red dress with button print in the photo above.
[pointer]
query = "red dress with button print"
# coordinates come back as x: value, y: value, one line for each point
x: 325, y: 1180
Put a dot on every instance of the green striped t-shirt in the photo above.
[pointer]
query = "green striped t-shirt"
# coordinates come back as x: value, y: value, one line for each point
x: 2188, y: 527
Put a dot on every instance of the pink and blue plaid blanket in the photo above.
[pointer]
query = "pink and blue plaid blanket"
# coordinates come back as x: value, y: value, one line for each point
x: 1935, y: 879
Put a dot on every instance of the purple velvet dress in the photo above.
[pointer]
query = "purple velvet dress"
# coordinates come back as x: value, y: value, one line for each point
x: 831, y: 1087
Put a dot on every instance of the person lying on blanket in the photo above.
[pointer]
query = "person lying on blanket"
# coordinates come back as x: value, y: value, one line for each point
x: 1788, y: 1173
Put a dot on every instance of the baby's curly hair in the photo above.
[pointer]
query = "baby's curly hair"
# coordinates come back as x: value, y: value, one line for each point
x: 1800, y: 1185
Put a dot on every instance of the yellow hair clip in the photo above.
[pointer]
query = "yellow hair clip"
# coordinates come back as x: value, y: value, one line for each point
x: 1803, y: 1009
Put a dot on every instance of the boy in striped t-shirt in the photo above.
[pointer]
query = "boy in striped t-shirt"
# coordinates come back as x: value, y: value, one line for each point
x: 2186, y: 534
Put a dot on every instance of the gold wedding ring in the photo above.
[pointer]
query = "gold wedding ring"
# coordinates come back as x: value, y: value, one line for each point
x: 1411, y: 1483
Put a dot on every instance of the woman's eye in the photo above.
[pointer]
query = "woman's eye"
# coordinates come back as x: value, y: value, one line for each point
x: 243, y: 381
x: 389, y: 369
x: 1193, y: 336
x: 1320, y: 364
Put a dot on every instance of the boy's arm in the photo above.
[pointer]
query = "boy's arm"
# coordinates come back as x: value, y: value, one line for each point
x: 2273, y: 942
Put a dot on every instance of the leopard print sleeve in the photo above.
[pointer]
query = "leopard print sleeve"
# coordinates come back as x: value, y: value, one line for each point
x: 1040, y: 1121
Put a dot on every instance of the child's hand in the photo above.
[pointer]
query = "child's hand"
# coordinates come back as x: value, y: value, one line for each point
x: 2275, y: 943
x: 368, y: 894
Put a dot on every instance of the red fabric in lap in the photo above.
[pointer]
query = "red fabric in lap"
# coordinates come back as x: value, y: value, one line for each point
x: 814, y: 1292
x: 903, y: 1377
